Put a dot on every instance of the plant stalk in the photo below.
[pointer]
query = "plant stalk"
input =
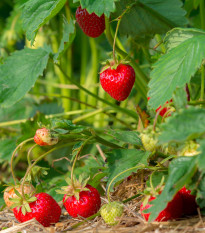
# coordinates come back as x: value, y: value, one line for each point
x: 13, y: 154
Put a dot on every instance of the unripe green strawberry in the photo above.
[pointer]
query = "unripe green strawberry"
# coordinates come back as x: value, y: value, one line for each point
x: 170, y: 148
x: 149, y: 139
x: 190, y: 149
x: 110, y: 211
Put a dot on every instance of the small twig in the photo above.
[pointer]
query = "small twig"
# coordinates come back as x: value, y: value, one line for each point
x: 101, y: 153
x: 199, y: 213
x: 56, y: 160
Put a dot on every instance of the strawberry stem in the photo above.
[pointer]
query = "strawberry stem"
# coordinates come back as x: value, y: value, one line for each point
x: 29, y: 153
x: 114, y: 42
x: 37, y: 160
x: 76, y: 158
x: 155, y: 119
x: 141, y: 80
x: 13, y: 154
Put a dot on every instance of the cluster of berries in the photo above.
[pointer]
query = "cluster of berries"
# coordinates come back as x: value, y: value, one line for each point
x: 45, y: 209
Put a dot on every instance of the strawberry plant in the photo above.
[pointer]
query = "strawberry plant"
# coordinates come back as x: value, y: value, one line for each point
x: 108, y: 90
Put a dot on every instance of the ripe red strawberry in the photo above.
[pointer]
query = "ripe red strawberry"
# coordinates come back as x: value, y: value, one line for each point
x: 9, y: 192
x: 118, y: 82
x: 160, y: 110
x: 189, y: 201
x: 43, y: 137
x: 91, y: 24
x: 173, y: 210
x: 88, y: 204
x: 45, y: 210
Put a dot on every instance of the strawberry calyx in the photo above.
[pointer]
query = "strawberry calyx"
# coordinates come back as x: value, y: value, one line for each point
x: 21, y: 201
x: 110, y: 63
x: 74, y: 188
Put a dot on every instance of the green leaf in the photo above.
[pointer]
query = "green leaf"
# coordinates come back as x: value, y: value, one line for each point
x: 201, y: 157
x: 175, y: 69
x: 180, y: 168
x: 177, y: 36
x: 188, y: 124
x: 37, y: 13
x: 19, y: 73
x: 65, y: 126
x: 68, y: 37
x: 149, y: 16
x: 7, y: 147
x: 98, y: 6
x: 200, y: 197
x: 180, y: 98
x: 131, y: 137
x: 120, y: 160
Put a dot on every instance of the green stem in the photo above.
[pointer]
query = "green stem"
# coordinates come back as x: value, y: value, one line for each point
x: 159, y: 40
x: 196, y: 102
x: 128, y: 112
x: 16, y: 122
x: 131, y: 198
x: 93, y: 72
x: 88, y: 115
x: 118, y: 24
x: 75, y: 160
x: 29, y: 154
x: 84, y: 58
x: 40, y: 158
x: 142, y: 79
x: 202, y: 14
x: 12, y: 157
x: 81, y: 223
x: 67, y: 97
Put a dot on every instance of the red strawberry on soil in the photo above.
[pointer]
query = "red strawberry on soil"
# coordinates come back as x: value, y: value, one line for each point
x: 87, y: 204
x: 173, y: 210
x: 45, y: 210
x: 43, y: 137
x: 118, y: 82
x: 189, y: 201
x: 91, y: 24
